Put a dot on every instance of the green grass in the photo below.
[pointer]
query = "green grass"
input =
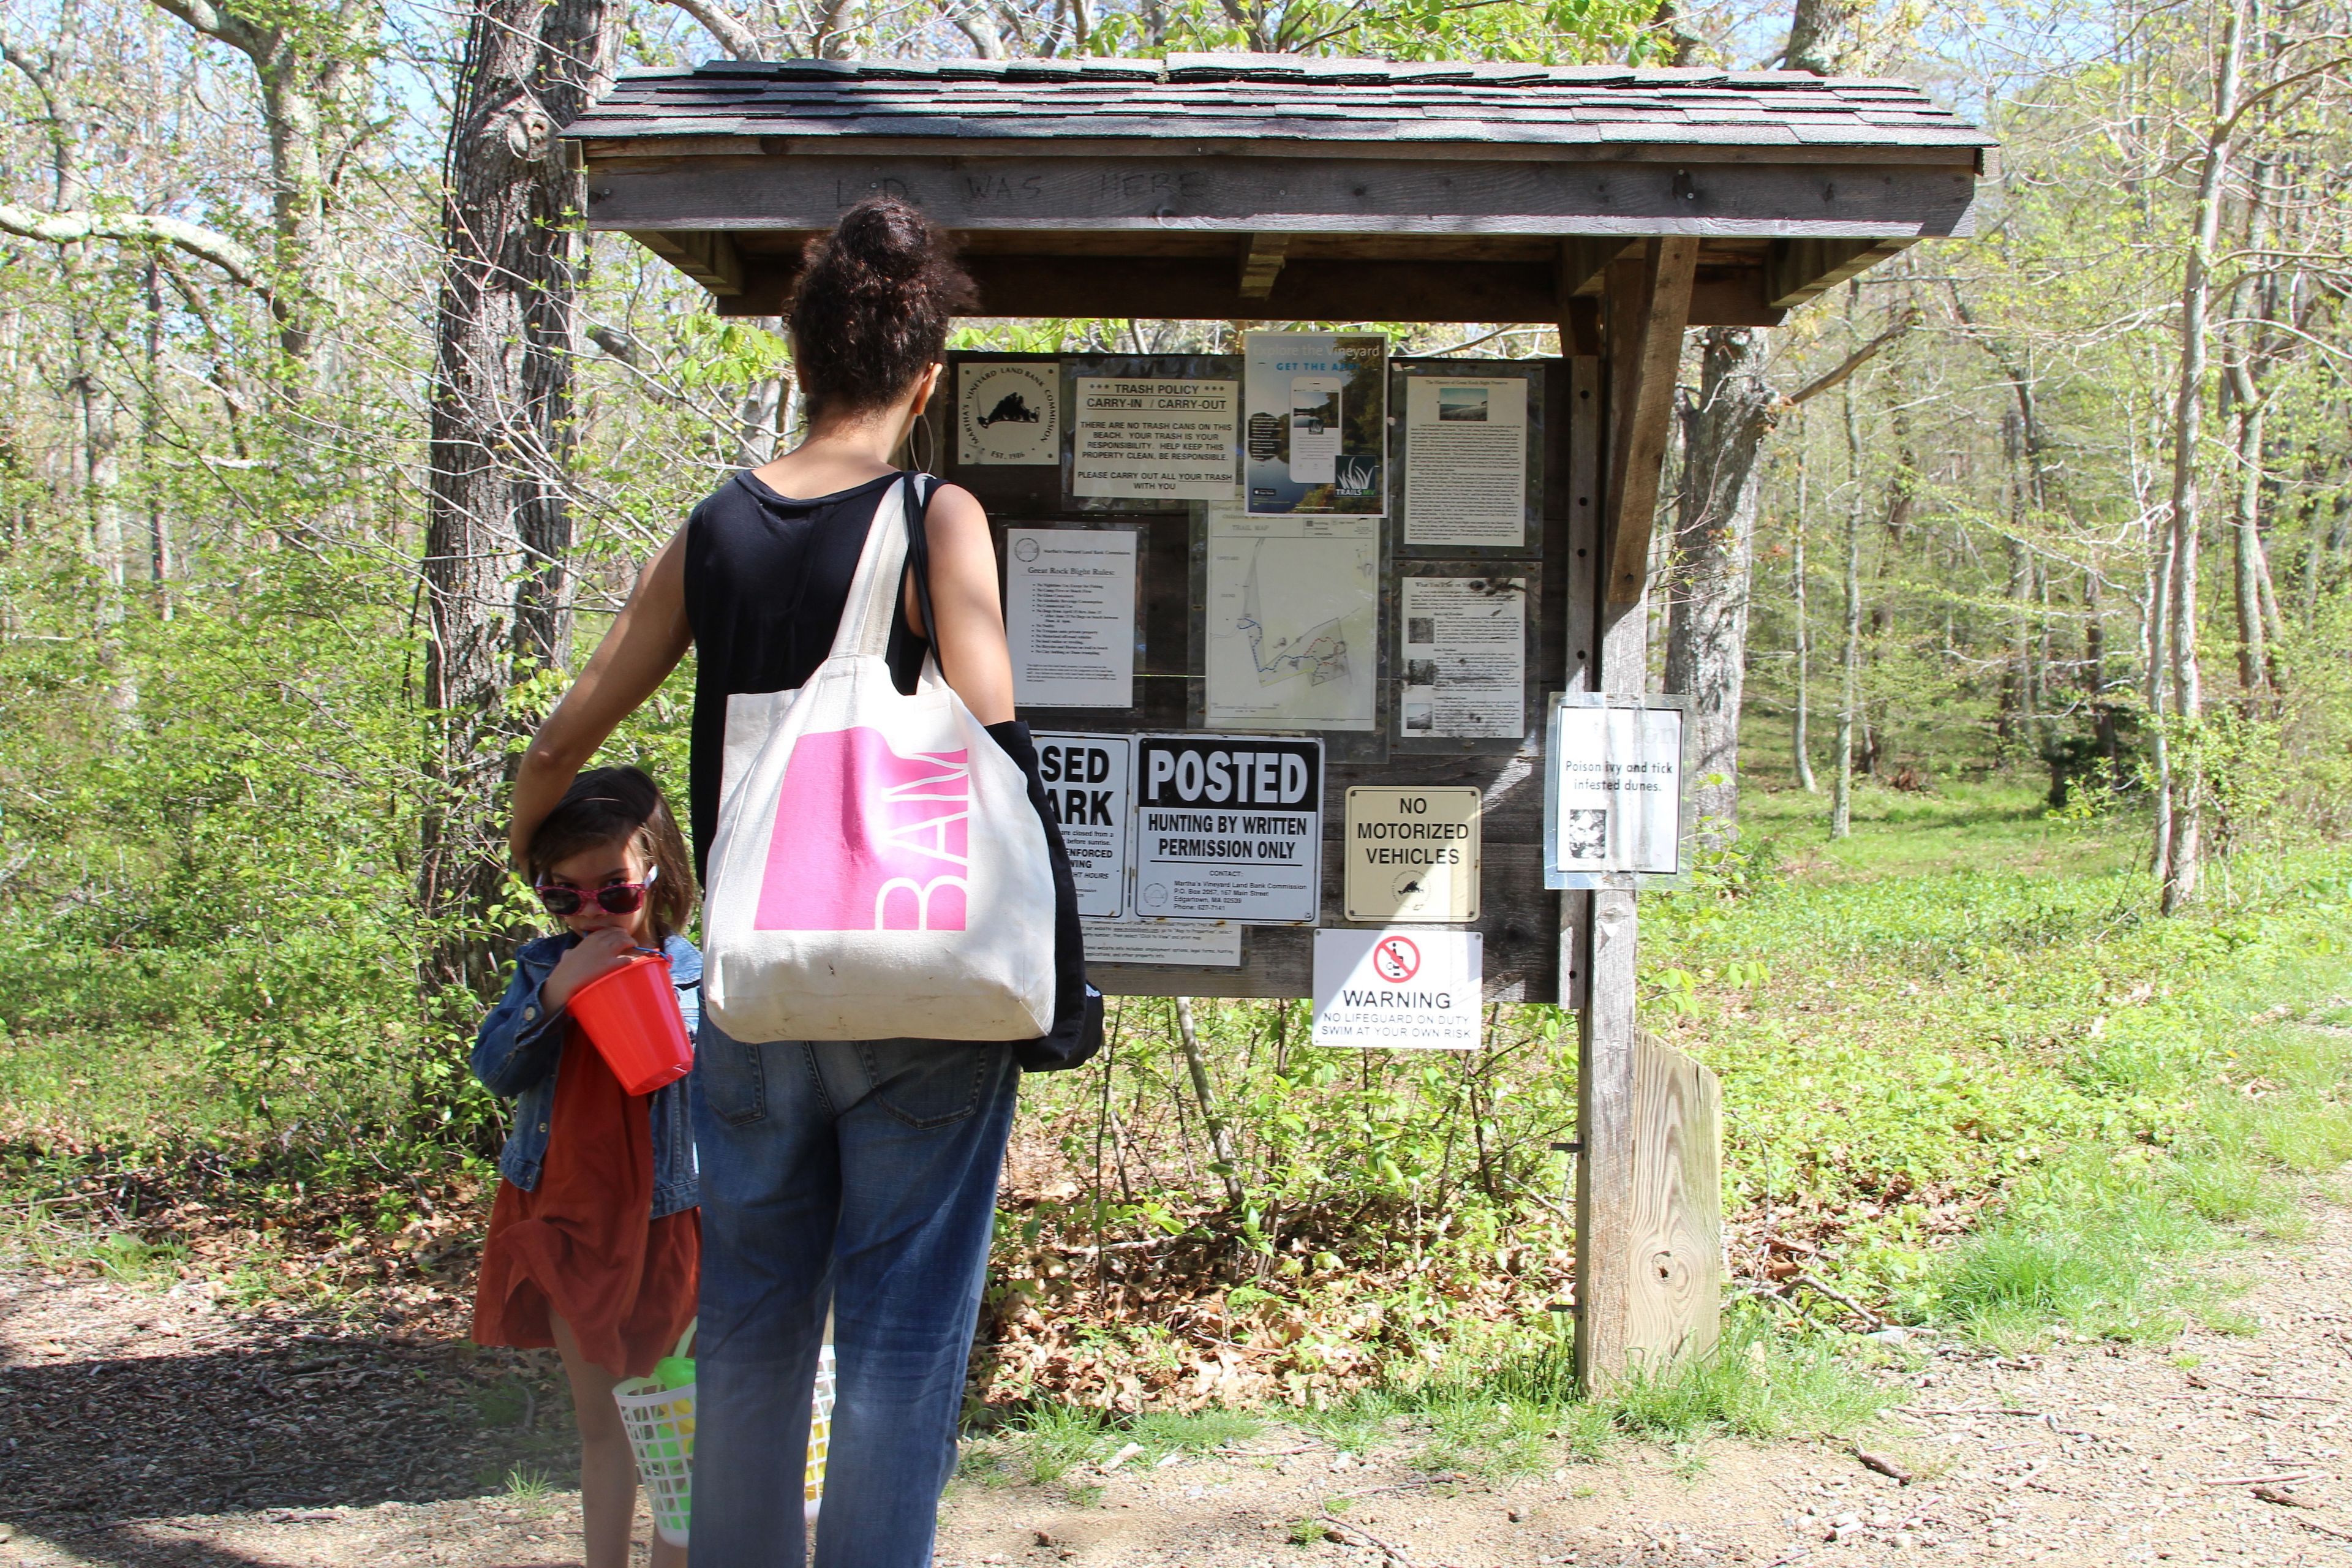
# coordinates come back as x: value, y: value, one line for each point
x: 1961, y: 1051
x: 1044, y: 1443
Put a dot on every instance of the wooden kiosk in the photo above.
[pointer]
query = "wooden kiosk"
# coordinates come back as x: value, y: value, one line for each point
x: 1618, y: 205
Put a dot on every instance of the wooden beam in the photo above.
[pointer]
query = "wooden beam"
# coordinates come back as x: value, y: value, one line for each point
x: 707, y: 258
x: 1203, y: 289
x: 1797, y: 270
x: 1583, y: 257
x: 1648, y: 305
x: 1179, y: 194
x: 1650, y: 1255
x: 623, y: 152
x: 1262, y: 263
x: 620, y: 152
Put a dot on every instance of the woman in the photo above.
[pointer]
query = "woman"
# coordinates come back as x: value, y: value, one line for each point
x: 858, y: 1175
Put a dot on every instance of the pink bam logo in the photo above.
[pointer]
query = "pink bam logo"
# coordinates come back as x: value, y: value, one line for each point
x: 867, y: 840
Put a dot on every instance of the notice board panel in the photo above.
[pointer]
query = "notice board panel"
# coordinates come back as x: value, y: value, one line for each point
x: 1518, y: 920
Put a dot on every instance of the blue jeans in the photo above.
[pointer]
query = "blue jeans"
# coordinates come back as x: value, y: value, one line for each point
x: 858, y: 1175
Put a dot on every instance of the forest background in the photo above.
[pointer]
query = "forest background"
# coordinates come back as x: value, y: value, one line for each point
x: 2022, y: 569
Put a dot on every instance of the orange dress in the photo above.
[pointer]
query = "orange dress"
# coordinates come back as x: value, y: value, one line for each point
x: 582, y: 1246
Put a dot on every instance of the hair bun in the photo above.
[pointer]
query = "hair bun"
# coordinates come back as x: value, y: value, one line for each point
x: 886, y: 236
x: 873, y: 306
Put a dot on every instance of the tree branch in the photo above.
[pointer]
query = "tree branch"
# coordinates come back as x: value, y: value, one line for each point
x: 1852, y: 363
x: 216, y: 22
x: 734, y: 36
x: 243, y: 267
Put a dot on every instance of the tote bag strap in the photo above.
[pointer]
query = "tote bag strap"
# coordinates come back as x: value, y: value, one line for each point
x: 919, y: 490
x: 864, y: 627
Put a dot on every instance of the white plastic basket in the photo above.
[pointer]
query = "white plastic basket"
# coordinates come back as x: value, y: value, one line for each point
x: 661, y: 1424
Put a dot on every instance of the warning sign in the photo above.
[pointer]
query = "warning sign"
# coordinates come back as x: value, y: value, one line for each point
x: 1087, y: 780
x: 1399, y: 990
x: 1229, y: 827
x: 1412, y: 853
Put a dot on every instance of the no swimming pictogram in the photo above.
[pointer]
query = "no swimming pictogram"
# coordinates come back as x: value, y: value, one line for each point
x: 1395, y: 959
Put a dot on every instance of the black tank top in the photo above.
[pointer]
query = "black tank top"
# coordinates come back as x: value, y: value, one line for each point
x: 767, y: 577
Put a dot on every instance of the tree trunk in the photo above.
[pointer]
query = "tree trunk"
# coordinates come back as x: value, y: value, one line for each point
x: 2247, y: 565
x: 761, y: 416
x: 1850, y: 662
x: 500, y: 531
x: 1801, y: 741
x: 2184, y: 862
x: 310, y: 63
x: 1715, y: 539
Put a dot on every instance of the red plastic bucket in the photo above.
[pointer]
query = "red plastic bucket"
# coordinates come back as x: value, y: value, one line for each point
x: 632, y: 1015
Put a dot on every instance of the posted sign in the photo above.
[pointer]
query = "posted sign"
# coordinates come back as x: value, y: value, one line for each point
x: 1229, y: 827
x: 1412, y: 990
x: 1412, y: 852
x: 1087, y: 785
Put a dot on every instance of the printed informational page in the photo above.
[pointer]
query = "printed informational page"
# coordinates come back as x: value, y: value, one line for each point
x: 1156, y: 439
x: 1086, y: 779
x: 1464, y: 658
x: 1466, y: 460
x: 1293, y: 610
x: 1195, y: 944
x: 1069, y: 614
x: 1009, y: 415
x: 1615, y: 801
x: 1315, y: 438
x: 1399, y: 990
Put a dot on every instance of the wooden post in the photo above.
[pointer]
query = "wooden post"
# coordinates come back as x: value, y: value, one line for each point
x: 1648, y: 1193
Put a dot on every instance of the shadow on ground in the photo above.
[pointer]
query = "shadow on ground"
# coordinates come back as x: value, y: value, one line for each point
x: 100, y: 1454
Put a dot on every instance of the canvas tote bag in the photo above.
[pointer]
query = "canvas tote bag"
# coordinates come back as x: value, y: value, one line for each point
x: 879, y: 871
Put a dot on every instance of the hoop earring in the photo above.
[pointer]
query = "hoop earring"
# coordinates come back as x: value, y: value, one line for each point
x: 918, y: 436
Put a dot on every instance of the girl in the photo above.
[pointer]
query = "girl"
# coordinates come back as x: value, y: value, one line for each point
x: 595, y: 1244
x: 856, y: 1173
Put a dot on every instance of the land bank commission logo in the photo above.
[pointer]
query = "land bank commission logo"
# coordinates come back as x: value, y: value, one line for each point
x: 1009, y: 415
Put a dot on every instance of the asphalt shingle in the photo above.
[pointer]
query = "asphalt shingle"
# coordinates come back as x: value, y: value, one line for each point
x: 1294, y: 97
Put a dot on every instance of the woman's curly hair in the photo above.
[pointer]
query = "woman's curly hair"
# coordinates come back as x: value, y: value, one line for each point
x: 872, y: 311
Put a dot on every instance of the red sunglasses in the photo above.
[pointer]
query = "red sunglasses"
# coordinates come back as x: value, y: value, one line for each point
x: 613, y: 898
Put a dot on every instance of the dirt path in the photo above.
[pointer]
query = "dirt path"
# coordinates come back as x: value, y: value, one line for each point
x: 146, y: 1428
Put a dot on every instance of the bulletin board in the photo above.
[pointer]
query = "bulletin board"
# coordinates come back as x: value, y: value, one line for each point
x: 1192, y: 555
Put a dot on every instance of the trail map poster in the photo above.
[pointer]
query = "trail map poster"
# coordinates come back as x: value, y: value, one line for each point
x: 1292, y: 611
x: 1315, y: 431
x: 1009, y: 415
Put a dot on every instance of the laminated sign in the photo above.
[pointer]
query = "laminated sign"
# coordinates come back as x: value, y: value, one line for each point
x: 1229, y: 827
x: 1085, y: 781
x: 1412, y: 990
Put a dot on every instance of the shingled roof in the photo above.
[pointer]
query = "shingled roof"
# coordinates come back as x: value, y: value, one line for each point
x: 1198, y: 98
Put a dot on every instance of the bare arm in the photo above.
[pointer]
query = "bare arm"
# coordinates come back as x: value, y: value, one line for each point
x: 644, y: 644
x: 970, y: 634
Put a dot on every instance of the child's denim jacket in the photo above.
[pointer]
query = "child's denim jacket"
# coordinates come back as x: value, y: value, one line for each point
x: 519, y: 1045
